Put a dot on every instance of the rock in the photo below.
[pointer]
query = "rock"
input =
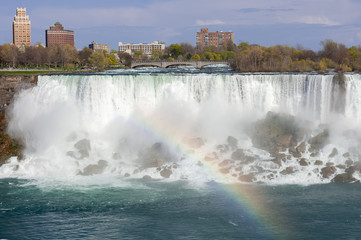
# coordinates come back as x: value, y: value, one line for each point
x: 223, y: 148
x: 341, y: 166
x: 275, y: 133
x: 277, y: 161
x: 226, y: 162
x: 155, y: 156
x: 224, y: 170
x: 302, y: 147
x: 94, y: 169
x: 344, y: 178
x: 348, y: 162
x: 329, y: 164
x: 232, y: 142
x: 328, y: 171
x: 318, y: 162
x: 333, y: 153
x: 194, y: 143
x: 249, y: 159
x: 350, y: 170
x: 303, y: 162
x: 238, y: 155
x: 346, y: 155
x: 279, y: 158
x: 297, y: 155
x: 319, y: 141
x: 127, y: 175
x: 83, y: 147
x: 147, y: 177
x: 288, y: 170
x: 246, y: 178
x: 314, y: 154
x: 211, y: 157
x: 166, y: 172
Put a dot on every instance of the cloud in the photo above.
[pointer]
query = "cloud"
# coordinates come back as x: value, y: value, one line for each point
x: 317, y: 20
x: 209, y: 22
x: 254, y: 10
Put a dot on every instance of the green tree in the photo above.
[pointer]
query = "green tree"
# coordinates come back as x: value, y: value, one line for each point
x: 98, y: 60
x: 175, y: 50
x: 156, y: 55
x: 112, y: 60
x: 196, y: 57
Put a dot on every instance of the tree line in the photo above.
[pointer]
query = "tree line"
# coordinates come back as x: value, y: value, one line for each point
x: 64, y: 57
x: 244, y: 57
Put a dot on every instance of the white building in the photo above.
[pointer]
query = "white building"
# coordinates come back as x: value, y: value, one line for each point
x: 145, y: 48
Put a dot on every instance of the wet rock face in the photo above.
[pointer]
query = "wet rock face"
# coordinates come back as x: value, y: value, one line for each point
x: 155, y: 156
x: 276, y: 133
x: 94, y: 169
x: 328, y: 171
x: 9, y: 87
x: 344, y: 178
x: 319, y: 141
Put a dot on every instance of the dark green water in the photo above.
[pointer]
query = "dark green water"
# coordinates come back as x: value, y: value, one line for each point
x: 158, y: 210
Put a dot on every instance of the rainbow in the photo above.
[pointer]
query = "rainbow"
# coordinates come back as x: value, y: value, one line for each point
x: 252, y: 202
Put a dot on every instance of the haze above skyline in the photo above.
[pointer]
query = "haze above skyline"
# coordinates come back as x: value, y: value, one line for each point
x: 264, y: 22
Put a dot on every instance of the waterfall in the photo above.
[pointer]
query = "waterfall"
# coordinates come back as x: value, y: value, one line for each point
x: 84, y: 124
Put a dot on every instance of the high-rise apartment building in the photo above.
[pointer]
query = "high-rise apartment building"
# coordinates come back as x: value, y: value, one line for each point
x: 205, y: 38
x: 146, y: 49
x: 57, y: 35
x: 21, y: 28
x: 97, y: 46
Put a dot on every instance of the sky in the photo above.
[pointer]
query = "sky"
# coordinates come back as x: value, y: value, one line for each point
x: 294, y: 23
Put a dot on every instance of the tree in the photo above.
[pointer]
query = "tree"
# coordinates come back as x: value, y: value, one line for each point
x: 84, y: 55
x: 112, y: 60
x: 188, y: 50
x: 98, y: 60
x: 156, y: 55
x: 125, y: 58
x: 174, y: 50
x: 9, y: 54
x: 196, y: 57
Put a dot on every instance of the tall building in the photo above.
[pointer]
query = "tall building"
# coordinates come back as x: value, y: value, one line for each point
x: 205, y: 38
x: 21, y: 28
x: 146, y: 49
x: 97, y: 46
x: 57, y: 35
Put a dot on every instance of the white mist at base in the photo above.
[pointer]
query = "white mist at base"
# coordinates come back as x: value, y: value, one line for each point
x: 173, y: 126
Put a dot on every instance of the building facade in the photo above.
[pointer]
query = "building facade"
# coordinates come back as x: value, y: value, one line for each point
x: 96, y: 46
x: 21, y: 28
x: 146, y: 49
x: 204, y: 38
x: 57, y: 35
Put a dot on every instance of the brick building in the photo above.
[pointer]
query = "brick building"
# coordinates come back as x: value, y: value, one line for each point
x: 97, y: 46
x: 57, y: 35
x: 21, y: 28
x: 204, y: 38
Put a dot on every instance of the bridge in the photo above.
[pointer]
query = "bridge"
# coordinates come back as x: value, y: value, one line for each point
x: 165, y: 63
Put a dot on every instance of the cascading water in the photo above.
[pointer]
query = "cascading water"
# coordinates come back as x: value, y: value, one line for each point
x: 187, y: 126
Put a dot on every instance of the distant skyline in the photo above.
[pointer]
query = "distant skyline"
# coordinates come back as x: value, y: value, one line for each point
x: 264, y: 22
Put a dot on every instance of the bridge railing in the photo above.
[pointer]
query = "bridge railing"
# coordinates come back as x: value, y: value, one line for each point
x: 179, y: 61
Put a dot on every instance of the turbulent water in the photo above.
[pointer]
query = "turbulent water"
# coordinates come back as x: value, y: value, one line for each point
x: 163, y: 154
